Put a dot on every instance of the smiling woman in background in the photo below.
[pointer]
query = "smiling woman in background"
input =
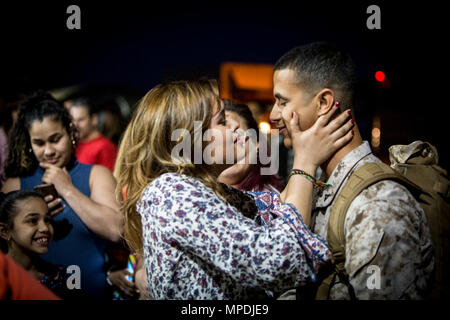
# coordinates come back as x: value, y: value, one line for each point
x: 246, y: 174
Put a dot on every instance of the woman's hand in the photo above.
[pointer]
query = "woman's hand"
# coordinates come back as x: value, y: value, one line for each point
x: 118, y: 278
x: 55, y: 206
x: 141, y: 283
x: 314, y: 146
x: 57, y: 176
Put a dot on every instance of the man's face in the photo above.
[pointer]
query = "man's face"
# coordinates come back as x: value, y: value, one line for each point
x: 289, y: 97
x: 84, y: 122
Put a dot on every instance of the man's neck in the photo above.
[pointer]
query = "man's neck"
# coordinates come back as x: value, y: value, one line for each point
x: 93, y: 135
x: 329, y: 166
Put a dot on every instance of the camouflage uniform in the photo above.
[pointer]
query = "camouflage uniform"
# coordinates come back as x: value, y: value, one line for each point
x: 385, y: 227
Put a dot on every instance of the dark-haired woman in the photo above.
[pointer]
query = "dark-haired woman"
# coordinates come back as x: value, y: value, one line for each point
x: 41, y: 150
x: 246, y: 174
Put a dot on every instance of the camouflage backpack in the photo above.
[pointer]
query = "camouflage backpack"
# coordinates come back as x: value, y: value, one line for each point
x: 416, y: 167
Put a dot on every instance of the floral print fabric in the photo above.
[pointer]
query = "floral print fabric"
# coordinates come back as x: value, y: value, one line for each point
x: 197, y: 246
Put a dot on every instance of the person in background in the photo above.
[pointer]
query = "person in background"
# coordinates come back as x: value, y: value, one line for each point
x: 18, y: 284
x: 246, y: 174
x: 85, y: 212
x: 26, y: 232
x: 93, y: 147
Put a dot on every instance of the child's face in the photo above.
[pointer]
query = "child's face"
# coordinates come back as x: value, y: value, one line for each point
x: 32, y: 230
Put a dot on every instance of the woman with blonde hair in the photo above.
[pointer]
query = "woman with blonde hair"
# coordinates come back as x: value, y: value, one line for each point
x: 202, y: 239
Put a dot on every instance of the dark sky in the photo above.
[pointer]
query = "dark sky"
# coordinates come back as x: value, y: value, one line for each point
x: 141, y: 43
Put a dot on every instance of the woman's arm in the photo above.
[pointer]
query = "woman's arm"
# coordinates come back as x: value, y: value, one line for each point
x: 191, y: 217
x: 100, y: 212
x: 311, y: 148
x: 140, y: 278
x: 11, y: 184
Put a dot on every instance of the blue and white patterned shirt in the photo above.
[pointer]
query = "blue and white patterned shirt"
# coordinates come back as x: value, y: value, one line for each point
x: 197, y: 246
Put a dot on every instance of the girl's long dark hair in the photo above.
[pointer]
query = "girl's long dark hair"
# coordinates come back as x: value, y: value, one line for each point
x: 21, y: 159
x: 254, y: 180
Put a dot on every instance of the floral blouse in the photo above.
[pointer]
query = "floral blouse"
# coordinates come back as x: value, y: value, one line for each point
x: 197, y: 246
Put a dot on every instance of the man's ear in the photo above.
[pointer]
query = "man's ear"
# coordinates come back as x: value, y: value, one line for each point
x: 325, y: 101
x: 4, y: 231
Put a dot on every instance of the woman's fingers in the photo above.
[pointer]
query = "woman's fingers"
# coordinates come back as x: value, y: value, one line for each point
x: 57, y: 211
x: 338, y: 121
x: 54, y: 206
x: 295, y: 127
x: 342, y: 130
x: 342, y: 141
x: 325, y: 118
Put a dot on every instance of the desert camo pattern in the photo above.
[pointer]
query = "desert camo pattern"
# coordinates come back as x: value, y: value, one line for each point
x: 389, y: 252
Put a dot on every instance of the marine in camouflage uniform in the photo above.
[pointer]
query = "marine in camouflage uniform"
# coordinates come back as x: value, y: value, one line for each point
x: 385, y: 227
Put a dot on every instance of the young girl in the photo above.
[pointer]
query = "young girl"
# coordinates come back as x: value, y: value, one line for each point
x: 42, y: 150
x: 26, y: 232
x: 198, y: 237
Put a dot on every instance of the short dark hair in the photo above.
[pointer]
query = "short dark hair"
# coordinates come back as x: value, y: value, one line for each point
x: 321, y: 65
x: 84, y: 102
x: 243, y: 111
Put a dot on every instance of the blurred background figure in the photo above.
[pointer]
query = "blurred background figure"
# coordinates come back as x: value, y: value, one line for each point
x: 93, y: 147
x: 247, y: 174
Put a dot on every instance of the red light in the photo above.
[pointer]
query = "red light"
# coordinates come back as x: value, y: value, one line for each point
x: 379, y: 76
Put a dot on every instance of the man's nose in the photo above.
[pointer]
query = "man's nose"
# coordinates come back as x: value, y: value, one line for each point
x: 275, y: 115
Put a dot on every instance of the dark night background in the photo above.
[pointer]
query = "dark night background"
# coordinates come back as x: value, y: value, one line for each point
x: 139, y: 44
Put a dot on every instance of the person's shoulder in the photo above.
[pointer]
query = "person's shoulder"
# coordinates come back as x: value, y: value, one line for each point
x: 172, y: 180
x: 11, y: 184
x: 99, y: 172
x: 389, y: 191
x: 104, y: 142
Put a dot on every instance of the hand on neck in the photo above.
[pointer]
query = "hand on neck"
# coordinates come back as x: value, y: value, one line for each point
x: 329, y: 165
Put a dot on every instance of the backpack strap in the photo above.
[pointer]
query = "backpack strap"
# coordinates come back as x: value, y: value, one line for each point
x: 362, y: 178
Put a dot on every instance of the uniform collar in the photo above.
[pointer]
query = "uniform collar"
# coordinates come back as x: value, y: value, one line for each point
x: 340, y: 173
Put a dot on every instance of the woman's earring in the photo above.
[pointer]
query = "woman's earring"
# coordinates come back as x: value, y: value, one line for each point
x: 30, y: 150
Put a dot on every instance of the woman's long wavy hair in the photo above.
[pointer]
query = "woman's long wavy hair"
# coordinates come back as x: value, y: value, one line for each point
x: 37, y: 106
x: 145, y: 149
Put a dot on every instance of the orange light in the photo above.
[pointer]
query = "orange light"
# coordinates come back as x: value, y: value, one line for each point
x: 380, y: 76
x: 376, y: 133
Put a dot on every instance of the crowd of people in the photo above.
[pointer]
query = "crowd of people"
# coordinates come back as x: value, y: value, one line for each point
x: 133, y: 221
